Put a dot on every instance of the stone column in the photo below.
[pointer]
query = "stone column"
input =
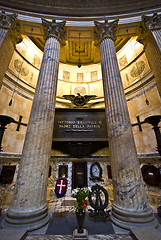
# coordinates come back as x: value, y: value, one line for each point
x: 29, y: 209
x: 9, y: 30
x: 150, y: 36
x: 129, y: 209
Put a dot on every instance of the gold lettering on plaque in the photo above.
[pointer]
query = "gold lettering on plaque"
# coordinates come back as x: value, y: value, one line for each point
x: 79, y: 124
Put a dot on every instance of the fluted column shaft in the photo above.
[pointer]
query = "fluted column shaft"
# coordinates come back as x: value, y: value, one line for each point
x: 126, y: 172
x: 130, y: 203
x: 157, y: 35
x: 29, y: 201
x: 3, y: 33
x: 37, y: 145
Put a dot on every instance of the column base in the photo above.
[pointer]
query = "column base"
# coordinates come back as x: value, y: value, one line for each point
x: 128, y: 220
x: 29, y: 221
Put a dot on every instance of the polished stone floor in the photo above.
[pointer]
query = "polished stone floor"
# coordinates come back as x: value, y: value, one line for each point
x: 54, y: 209
x: 60, y: 208
x: 91, y: 237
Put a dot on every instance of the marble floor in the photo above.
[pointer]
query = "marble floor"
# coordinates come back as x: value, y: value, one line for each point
x: 91, y: 237
x: 58, y: 206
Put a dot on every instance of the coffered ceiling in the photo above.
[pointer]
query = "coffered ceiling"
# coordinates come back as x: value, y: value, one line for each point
x: 89, y: 53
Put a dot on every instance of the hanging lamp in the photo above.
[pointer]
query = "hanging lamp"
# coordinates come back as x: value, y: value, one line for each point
x: 79, y: 61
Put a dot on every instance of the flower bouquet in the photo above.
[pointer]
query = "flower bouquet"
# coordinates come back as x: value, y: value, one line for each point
x: 80, y: 194
x: 80, y: 205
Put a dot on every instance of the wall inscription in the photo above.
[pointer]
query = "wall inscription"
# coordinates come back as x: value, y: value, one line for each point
x: 80, y: 125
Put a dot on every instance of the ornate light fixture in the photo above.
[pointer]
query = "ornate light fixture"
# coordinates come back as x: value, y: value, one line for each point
x: 10, y: 102
x: 79, y: 61
x: 146, y: 100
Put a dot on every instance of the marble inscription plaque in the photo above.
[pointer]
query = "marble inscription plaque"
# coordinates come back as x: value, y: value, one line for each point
x: 80, y: 125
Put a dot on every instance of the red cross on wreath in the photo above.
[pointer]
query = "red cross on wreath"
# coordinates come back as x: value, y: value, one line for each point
x: 61, y: 187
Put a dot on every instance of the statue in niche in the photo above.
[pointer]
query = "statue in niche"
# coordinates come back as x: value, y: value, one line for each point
x: 79, y: 100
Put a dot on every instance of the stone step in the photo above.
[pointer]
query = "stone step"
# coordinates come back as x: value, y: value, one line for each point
x: 149, y: 233
x: 12, y: 234
x: 70, y: 237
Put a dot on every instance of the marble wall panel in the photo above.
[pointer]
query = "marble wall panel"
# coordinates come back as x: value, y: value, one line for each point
x: 30, y: 51
x: 94, y: 76
x: 135, y: 71
x: 145, y: 140
x: 81, y: 88
x: 23, y: 70
x: 129, y: 52
x: 96, y: 88
x: 12, y: 139
x: 6, y: 190
x: 106, y: 183
x: 63, y: 88
x: 66, y: 75
x: 80, y: 77
x: 82, y: 74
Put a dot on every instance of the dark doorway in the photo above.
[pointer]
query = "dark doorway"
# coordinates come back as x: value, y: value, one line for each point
x: 7, y: 174
x: 79, y: 175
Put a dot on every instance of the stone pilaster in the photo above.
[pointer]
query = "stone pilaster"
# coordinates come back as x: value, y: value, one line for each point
x: 29, y: 209
x: 5, y: 23
x: 150, y: 36
x: 8, y: 39
x: 129, y: 209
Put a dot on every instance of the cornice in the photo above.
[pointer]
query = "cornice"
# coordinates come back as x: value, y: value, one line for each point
x: 81, y: 8
x: 79, y: 11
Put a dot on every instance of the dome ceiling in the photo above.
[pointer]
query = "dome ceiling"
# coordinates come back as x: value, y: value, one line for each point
x: 82, y: 8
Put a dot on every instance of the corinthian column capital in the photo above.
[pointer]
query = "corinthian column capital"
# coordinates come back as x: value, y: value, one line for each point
x: 54, y: 29
x: 154, y: 22
x: 105, y: 30
x: 6, y: 19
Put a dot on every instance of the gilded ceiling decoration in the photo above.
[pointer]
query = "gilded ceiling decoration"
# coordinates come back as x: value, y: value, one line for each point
x: 89, y: 53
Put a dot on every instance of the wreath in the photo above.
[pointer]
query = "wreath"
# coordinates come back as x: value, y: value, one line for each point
x: 95, y: 197
x: 151, y: 174
x: 96, y: 178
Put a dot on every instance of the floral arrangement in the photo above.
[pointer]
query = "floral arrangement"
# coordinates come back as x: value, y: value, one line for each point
x: 80, y: 194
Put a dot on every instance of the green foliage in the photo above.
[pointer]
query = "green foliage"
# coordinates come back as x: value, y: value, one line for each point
x: 80, y: 194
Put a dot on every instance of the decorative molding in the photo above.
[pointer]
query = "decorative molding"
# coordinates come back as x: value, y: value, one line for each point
x: 142, y: 33
x: 54, y: 29
x: 7, y: 19
x: 86, y: 10
x: 105, y: 30
x: 15, y: 33
x: 79, y: 101
x: 154, y: 22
